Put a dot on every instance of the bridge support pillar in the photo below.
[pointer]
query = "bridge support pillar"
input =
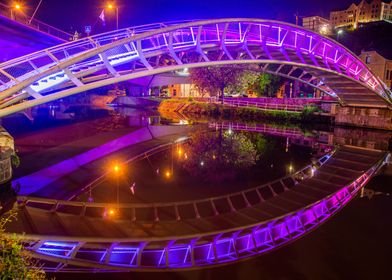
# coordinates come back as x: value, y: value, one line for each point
x: 380, y: 118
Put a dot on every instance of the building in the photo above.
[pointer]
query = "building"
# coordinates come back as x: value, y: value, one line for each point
x: 374, y: 10
x: 183, y: 90
x: 317, y: 24
x: 381, y: 65
x: 386, y: 11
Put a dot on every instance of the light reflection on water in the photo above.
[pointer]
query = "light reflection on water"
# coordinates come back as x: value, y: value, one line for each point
x: 361, y: 230
x: 211, y: 163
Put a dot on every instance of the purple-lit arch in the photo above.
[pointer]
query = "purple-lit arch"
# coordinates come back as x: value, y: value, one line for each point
x: 186, y: 242
x: 276, y: 47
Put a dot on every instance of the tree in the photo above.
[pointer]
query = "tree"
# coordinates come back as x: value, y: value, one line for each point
x: 15, y: 262
x: 267, y: 84
x: 216, y: 79
x: 219, y: 156
x: 246, y: 81
x: 234, y: 79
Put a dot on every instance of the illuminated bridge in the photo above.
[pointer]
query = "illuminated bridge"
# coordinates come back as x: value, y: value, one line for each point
x: 274, y: 47
x: 72, y: 236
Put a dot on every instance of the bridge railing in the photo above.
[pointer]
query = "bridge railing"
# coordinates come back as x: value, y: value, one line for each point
x: 268, y: 33
x: 36, y: 24
x: 293, y: 132
x: 234, y: 102
x: 195, y: 250
x: 178, y: 210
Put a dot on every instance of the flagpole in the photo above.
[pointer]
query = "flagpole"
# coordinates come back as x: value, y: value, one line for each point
x: 117, y: 16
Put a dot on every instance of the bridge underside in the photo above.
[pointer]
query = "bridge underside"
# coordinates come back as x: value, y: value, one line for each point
x: 268, y: 46
x: 73, y: 236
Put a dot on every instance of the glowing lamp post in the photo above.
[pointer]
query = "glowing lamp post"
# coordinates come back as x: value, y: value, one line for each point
x: 180, y: 152
x: 291, y: 168
x: 15, y: 8
x: 112, y: 7
x: 168, y: 174
x: 117, y: 170
x: 340, y: 33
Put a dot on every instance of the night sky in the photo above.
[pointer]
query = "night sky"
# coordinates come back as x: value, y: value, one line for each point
x: 75, y: 14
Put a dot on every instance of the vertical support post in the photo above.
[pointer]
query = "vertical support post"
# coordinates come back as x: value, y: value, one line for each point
x: 156, y: 217
x: 133, y: 214
x: 196, y: 210
x: 246, y: 199
x: 230, y: 204
x: 214, y: 207
x: 178, y: 217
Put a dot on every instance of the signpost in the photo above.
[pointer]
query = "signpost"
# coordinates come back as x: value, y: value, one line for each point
x: 87, y: 29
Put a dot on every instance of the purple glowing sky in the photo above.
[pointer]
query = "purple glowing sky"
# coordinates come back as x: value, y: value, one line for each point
x: 78, y: 13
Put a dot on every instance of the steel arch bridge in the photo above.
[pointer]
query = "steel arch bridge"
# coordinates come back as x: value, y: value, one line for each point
x: 275, y: 47
x: 72, y: 236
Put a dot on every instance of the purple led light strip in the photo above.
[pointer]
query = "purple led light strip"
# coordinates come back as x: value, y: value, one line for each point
x: 276, y: 39
x: 224, y: 248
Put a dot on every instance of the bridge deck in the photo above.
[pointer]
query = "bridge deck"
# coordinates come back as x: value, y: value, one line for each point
x: 75, y: 237
x: 346, y: 165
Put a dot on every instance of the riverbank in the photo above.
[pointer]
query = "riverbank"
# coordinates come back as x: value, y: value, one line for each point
x: 197, y: 109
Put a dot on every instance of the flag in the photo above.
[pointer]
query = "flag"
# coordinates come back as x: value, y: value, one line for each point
x: 133, y: 188
x: 102, y: 17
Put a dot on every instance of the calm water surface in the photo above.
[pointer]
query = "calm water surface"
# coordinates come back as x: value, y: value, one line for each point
x: 355, y: 244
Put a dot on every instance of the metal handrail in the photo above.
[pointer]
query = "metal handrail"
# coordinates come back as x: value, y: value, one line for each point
x: 25, y: 200
x: 353, y: 184
x: 34, y: 23
x: 118, y: 35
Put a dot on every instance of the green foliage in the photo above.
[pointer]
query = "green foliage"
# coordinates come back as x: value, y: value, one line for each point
x: 263, y: 82
x: 222, y: 154
x: 267, y: 84
x: 15, y: 160
x: 308, y: 112
x: 259, y: 141
x: 234, y: 79
x: 246, y: 81
x: 15, y: 262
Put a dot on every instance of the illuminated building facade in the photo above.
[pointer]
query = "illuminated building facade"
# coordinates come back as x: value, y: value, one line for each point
x: 318, y: 24
x: 379, y: 64
x: 363, y: 12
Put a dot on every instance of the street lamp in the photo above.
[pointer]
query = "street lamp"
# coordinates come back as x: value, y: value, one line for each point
x: 168, y: 174
x: 111, y: 6
x: 340, y: 32
x: 117, y: 170
x: 17, y: 7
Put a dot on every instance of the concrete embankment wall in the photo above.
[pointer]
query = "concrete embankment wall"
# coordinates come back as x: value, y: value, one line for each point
x: 380, y: 118
x: 365, y: 138
x: 133, y: 101
x: 194, y: 109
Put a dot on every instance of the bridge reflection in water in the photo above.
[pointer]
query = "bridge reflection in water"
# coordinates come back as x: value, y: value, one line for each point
x: 73, y: 236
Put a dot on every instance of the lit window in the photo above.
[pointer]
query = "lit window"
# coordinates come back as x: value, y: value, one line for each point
x: 368, y: 59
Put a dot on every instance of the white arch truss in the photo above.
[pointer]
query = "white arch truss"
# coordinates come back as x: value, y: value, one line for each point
x: 275, y: 47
